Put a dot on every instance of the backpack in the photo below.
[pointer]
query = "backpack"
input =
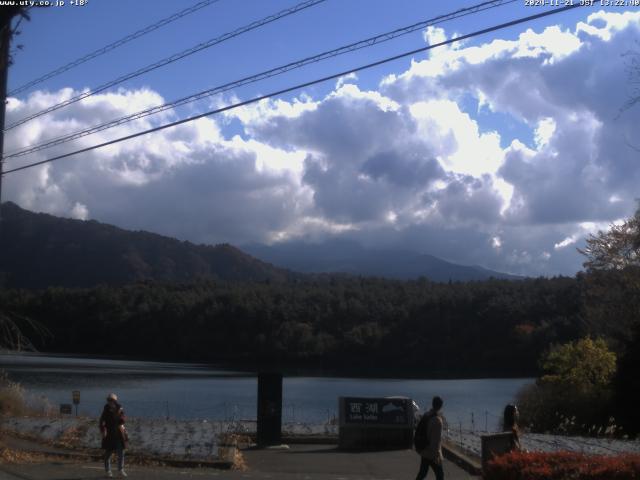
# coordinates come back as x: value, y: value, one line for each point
x: 420, y: 437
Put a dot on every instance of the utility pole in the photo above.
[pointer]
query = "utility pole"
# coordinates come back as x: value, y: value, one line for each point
x: 6, y: 15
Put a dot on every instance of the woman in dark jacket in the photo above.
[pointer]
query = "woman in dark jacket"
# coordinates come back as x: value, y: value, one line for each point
x: 114, y: 437
x: 510, y: 424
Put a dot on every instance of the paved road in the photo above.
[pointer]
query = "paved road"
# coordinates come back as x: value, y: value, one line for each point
x: 301, y: 462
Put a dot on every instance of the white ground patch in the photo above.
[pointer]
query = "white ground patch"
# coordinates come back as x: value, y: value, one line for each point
x: 470, y: 442
x: 184, y: 439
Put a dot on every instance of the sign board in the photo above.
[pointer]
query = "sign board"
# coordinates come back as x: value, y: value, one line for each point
x: 376, y: 423
x: 376, y: 411
x: 76, y: 397
x: 65, y: 408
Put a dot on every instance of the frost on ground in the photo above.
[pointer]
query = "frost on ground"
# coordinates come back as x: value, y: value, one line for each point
x: 470, y: 442
x: 191, y: 439
x: 203, y: 439
x: 186, y: 439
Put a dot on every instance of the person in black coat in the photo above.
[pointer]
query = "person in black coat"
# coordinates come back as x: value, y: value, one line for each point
x: 114, y: 436
x: 510, y: 424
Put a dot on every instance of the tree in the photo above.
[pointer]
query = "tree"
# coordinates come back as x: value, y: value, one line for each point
x: 627, y: 386
x: 612, y: 293
x: 616, y: 249
x: 584, y: 366
x: 574, y: 394
x: 613, y: 300
x: 16, y: 332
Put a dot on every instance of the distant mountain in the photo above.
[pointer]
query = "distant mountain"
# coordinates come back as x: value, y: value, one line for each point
x: 350, y: 257
x: 39, y: 250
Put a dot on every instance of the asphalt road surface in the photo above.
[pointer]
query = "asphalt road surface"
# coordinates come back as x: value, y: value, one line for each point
x: 300, y: 462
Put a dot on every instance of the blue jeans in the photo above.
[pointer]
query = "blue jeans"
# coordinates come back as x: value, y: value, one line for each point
x: 424, y: 469
x: 107, y: 458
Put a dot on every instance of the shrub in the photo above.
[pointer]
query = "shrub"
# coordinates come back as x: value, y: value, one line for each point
x: 561, y: 466
x: 574, y: 396
x: 12, y: 400
x: 553, y: 409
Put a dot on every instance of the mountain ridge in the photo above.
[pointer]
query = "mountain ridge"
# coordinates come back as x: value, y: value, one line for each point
x: 39, y: 250
x: 76, y: 253
x: 345, y: 256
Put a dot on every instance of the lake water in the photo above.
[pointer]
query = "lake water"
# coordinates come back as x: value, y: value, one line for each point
x: 190, y: 391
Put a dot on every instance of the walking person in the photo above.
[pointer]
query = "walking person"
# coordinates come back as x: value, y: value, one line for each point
x: 114, y: 435
x: 430, y: 426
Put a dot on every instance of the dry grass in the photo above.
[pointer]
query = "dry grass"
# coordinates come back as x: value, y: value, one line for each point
x: 239, y: 463
x: 228, y: 450
x: 12, y: 397
x: 14, y: 400
x: 71, y: 437
x: 9, y: 455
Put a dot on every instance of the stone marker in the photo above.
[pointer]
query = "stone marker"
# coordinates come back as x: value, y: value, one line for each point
x: 494, y: 445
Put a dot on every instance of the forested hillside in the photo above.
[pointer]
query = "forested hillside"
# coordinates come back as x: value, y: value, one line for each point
x: 39, y: 250
x: 494, y: 327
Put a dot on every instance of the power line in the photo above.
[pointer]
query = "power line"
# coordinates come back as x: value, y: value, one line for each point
x: 173, y: 58
x: 302, y: 85
x: 114, y: 45
x: 262, y: 76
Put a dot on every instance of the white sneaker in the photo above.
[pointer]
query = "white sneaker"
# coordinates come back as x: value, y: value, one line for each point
x: 122, y: 473
x: 108, y: 474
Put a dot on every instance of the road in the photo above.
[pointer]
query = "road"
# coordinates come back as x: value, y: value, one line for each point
x: 300, y: 462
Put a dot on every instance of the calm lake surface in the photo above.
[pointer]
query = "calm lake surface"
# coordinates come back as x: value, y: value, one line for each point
x: 189, y: 391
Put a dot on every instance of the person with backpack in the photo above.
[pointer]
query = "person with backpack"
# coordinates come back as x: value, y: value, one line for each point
x: 428, y: 441
x: 114, y: 434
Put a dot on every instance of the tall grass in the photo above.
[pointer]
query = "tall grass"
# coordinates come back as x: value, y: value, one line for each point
x: 12, y: 397
x: 16, y: 401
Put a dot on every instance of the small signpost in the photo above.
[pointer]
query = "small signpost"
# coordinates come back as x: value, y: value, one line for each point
x: 76, y: 399
x: 65, y: 409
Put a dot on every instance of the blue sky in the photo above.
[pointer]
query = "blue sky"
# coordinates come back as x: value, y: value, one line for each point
x: 504, y: 151
x: 56, y: 36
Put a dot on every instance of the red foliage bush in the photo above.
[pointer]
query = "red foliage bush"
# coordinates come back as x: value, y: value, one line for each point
x: 563, y: 466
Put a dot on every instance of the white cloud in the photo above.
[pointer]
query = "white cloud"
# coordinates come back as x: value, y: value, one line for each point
x: 466, y: 150
x: 544, y: 131
x: 433, y: 35
x: 604, y: 24
x: 263, y: 110
x: 188, y: 181
x: 412, y: 163
x: 80, y: 211
x: 351, y: 77
x: 566, y: 242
